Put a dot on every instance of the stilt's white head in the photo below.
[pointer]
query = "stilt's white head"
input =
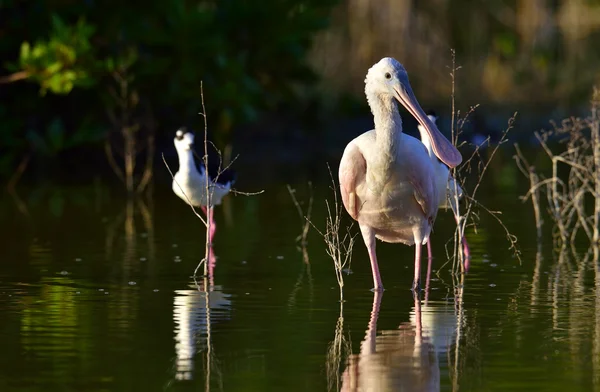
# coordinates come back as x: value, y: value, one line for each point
x: 424, y: 136
x: 184, y: 140
x: 389, y: 78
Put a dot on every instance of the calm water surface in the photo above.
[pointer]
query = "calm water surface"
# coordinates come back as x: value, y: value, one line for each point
x: 96, y: 294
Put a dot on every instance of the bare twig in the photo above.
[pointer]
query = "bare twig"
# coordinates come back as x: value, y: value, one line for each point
x: 18, y: 172
x: 338, y: 349
x: 209, y: 204
x: 21, y: 75
x: 189, y: 202
x: 112, y: 162
x: 339, y: 249
x: 512, y: 239
x: 475, y: 163
x: 305, y: 218
x: 566, y: 194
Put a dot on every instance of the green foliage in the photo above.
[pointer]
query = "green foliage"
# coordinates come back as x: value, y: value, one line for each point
x: 251, y: 57
x: 63, y: 61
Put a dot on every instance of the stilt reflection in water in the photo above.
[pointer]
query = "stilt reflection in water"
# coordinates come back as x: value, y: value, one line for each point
x: 194, y: 312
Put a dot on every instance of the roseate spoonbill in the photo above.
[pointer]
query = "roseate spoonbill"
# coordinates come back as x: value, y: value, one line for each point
x: 447, y: 198
x: 189, y: 183
x: 387, y: 180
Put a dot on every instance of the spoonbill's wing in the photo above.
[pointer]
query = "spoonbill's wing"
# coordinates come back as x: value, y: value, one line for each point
x: 352, y: 171
x: 420, y: 176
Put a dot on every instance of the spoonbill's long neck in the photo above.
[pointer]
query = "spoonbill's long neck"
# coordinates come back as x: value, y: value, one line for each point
x: 388, y: 124
x: 186, y: 161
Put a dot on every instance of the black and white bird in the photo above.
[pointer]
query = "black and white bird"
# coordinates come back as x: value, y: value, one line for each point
x: 189, y: 183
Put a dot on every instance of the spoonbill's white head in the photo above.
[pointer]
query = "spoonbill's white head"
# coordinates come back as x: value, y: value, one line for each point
x: 183, y: 140
x: 388, y: 78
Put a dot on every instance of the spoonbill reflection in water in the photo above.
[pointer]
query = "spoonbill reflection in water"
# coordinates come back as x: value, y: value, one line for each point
x: 189, y: 183
x: 387, y: 179
x: 450, y: 190
x: 404, y: 359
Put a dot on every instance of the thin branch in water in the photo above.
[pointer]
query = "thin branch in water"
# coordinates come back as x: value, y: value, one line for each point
x: 189, y: 202
x: 469, y: 217
x: 339, y: 249
x: 574, y: 176
x: 339, y: 349
x: 305, y: 218
x: 209, y: 205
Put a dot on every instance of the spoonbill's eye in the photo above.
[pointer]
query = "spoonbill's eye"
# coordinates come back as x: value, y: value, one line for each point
x: 388, y: 75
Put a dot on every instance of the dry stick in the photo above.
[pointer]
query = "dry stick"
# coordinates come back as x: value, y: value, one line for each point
x: 595, y: 144
x: 221, y: 170
x: 483, y: 166
x: 340, y: 251
x: 454, y: 136
x: 338, y: 348
x: 511, y: 237
x: 147, y: 176
x: 481, y: 175
x: 306, y: 218
x: 208, y: 331
x: 181, y: 189
x: 302, y: 238
x: 209, y: 189
x: 18, y: 172
x: 455, y: 203
x: 566, y: 200
x: 456, y: 128
x: 209, y: 206
x: 529, y: 172
x: 130, y: 153
x: 112, y: 162
x: 21, y: 75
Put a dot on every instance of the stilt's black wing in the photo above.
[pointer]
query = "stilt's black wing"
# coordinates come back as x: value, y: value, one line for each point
x: 217, y: 172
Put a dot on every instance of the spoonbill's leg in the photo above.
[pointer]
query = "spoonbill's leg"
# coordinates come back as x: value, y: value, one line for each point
x: 417, y: 279
x: 368, y: 346
x: 418, y: 323
x: 369, y: 238
x: 429, y: 257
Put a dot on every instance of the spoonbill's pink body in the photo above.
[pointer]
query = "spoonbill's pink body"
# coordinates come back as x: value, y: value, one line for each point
x: 387, y: 178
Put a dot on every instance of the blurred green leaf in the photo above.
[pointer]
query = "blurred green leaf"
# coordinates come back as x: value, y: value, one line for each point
x: 25, y: 51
